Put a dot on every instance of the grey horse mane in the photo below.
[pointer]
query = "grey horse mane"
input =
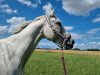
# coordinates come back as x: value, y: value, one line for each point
x: 23, y: 25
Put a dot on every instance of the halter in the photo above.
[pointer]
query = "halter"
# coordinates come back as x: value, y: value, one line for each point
x: 62, y: 37
x: 64, y: 41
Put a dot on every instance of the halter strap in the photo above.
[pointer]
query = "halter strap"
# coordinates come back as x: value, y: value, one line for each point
x: 64, y: 41
x: 53, y: 29
x: 52, y: 26
x: 48, y: 21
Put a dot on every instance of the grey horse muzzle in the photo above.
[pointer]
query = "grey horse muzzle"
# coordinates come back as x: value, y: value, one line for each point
x: 66, y: 44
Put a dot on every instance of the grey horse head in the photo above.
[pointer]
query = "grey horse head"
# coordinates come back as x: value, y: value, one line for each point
x: 54, y: 31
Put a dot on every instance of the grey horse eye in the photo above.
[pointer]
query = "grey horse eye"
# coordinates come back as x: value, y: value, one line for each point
x: 59, y: 24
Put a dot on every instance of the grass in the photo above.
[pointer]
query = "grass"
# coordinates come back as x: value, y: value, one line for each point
x: 49, y: 63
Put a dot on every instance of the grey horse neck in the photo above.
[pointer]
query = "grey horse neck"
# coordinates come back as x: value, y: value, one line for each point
x: 16, y: 50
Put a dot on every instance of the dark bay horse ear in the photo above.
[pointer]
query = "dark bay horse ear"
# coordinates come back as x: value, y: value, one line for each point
x: 51, y: 14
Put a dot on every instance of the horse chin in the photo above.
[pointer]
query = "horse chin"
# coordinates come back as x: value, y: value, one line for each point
x: 67, y: 47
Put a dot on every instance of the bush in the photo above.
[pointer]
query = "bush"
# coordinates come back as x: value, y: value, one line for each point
x: 93, y: 49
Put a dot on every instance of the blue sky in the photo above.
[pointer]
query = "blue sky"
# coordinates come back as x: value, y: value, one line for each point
x: 81, y: 18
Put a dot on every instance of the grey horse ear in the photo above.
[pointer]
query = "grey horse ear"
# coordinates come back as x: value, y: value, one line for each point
x: 51, y: 14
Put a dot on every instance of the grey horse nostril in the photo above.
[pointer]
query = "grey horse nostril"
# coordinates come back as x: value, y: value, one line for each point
x: 69, y: 37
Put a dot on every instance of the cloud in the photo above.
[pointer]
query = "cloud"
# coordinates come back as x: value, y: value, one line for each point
x: 3, y: 29
x: 89, y: 45
x: 1, y: 0
x: 29, y: 3
x: 14, y: 22
x: 93, y: 31
x: 57, y: 0
x: 47, y: 45
x: 80, y: 7
x: 47, y: 8
x: 68, y: 27
x: 6, y: 9
x: 96, y: 37
x: 77, y: 35
x: 98, y: 15
x: 96, y: 20
x: 94, y: 45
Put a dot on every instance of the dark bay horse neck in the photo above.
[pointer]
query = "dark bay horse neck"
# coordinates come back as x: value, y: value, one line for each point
x: 16, y: 50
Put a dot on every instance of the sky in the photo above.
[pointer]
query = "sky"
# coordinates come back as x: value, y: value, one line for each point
x: 80, y: 18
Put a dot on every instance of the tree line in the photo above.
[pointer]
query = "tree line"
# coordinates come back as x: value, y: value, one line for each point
x: 78, y: 49
x: 91, y: 49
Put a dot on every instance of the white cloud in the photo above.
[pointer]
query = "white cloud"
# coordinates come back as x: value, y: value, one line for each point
x: 47, y: 8
x: 9, y: 11
x: 6, y: 9
x: 77, y: 35
x: 96, y: 20
x: 68, y: 27
x: 1, y: 0
x: 96, y: 37
x: 80, y: 7
x: 89, y: 45
x: 93, y: 31
x: 47, y: 44
x: 94, y: 45
x: 57, y: 0
x: 29, y: 3
x: 98, y: 15
x: 80, y: 45
x: 14, y: 22
x: 3, y: 29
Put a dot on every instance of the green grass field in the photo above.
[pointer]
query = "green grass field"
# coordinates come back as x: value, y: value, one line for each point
x: 49, y: 63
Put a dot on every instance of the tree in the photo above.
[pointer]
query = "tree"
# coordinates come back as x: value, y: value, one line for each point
x: 93, y: 49
x: 76, y: 49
